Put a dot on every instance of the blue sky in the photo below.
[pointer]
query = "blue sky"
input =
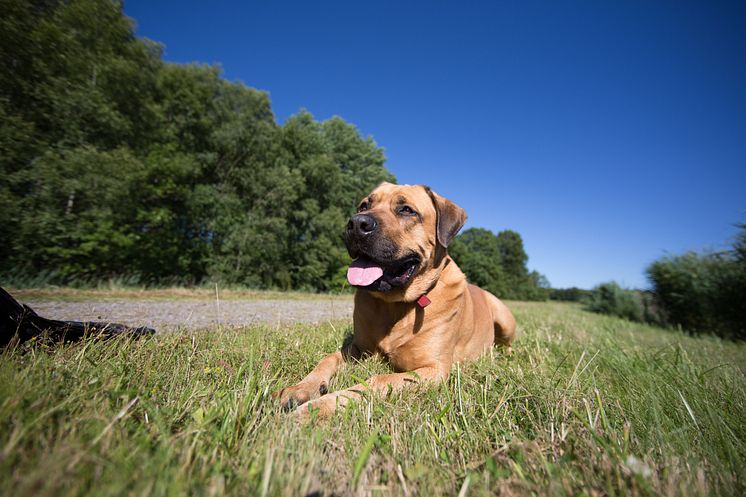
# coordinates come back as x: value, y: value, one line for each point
x: 606, y: 133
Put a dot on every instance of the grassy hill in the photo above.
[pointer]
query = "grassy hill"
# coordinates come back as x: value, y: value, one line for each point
x: 586, y: 405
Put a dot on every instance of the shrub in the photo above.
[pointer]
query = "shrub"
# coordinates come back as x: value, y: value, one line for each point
x: 702, y: 293
x: 610, y: 298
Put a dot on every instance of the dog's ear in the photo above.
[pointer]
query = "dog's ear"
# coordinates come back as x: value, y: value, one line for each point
x: 450, y: 217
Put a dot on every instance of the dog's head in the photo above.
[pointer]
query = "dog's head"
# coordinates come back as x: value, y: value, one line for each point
x: 398, y: 238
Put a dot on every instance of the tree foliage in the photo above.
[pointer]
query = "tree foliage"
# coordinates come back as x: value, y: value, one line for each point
x: 497, y: 263
x: 113, y: 162
x: 572, y: 294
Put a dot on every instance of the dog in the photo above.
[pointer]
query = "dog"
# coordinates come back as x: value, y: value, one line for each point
x: 413, y: 305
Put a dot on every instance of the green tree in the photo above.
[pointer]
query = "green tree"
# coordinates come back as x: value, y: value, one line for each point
x: 497, y: 263
x: 512, y: 254
x: 78, y: 221
x: 478, y: 255
x: 77, y: 88
x: 116, y: 163
x: 573, y: 294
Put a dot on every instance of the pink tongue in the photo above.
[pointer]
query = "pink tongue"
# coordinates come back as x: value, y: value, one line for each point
x: 363, y: 273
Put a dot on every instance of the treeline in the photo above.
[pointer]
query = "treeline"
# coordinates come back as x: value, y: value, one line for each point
x: 700, y: 293
x: 572, y: 294
x: 115, y: 164
x: 497, y: 263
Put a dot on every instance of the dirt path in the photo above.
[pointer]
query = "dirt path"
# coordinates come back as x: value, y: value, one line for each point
x: 170, y: 315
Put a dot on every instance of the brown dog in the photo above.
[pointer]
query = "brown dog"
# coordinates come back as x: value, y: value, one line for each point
x: 413, y: 305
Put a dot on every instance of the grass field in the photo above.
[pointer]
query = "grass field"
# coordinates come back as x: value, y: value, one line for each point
x: 586, y: 405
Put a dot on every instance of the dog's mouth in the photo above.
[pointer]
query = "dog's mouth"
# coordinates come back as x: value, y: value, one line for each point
x: 367, y: 273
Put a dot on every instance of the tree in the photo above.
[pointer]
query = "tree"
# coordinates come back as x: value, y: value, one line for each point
x: 478, y: 255
x: 79, y: 218
x: 115, y: 163
x: 497, y: 263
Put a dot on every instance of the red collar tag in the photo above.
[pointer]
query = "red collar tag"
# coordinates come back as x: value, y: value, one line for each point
x: 423, y: 301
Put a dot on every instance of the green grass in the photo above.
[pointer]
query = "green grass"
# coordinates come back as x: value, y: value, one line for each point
x: 586, y: 405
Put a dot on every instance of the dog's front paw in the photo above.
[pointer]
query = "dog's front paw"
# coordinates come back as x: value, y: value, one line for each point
x: 292, y: 397
x: 325, y: 406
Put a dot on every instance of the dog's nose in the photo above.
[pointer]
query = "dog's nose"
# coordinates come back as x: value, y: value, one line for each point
x: 361, y: 225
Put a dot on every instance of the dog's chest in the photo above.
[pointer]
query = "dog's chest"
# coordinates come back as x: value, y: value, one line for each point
x: 402, y: 341
x: 408, y: 351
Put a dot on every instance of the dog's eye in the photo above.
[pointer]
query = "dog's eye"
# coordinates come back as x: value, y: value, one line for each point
x: 363, y: 207
x: 406, y: 210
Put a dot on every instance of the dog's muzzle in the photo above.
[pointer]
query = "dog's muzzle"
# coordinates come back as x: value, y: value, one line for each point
x: 376, y: 265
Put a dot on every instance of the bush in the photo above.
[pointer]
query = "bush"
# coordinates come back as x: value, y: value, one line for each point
x: 699, y: 293
x: 702, y: 293
x: 610, y: 298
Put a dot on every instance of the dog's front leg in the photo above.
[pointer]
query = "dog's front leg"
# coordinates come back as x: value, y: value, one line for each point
x: 317, y: 381
x: 325, y: 405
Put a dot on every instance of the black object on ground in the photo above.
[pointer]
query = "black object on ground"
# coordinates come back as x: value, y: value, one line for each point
x: 20, y: 320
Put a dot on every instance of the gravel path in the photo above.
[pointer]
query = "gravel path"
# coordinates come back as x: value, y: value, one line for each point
x: 169, y: 315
